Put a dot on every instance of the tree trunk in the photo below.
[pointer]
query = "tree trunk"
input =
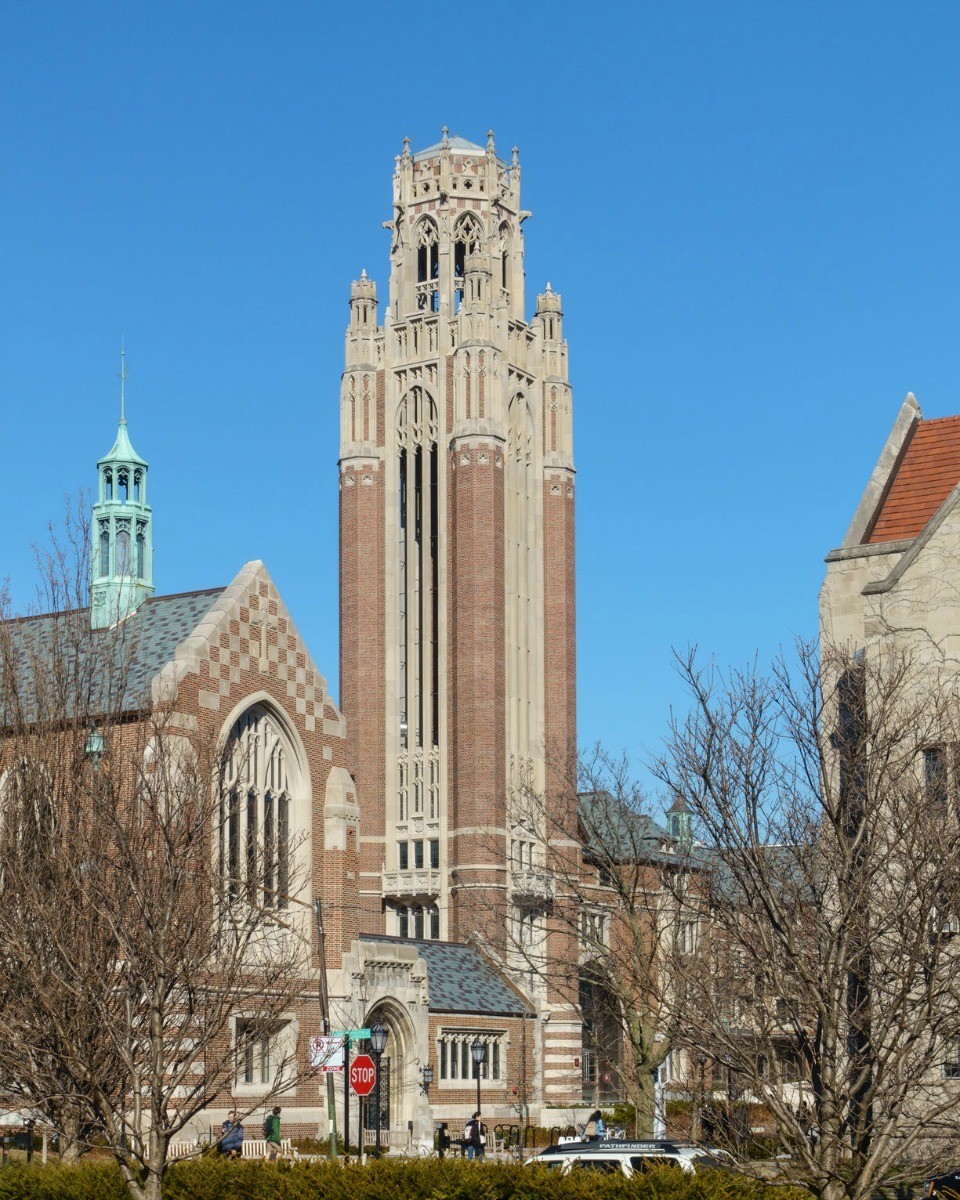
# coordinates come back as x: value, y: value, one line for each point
x: 646, y: 1099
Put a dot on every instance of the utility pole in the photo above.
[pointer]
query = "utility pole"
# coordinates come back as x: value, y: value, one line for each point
x: 325, y: 1018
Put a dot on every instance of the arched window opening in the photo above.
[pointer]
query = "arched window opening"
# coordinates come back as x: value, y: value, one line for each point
x: 137, y: 485
x: 428, y: 267
x: 468, y: 239
x: 141, y: 554
x: 104, y: 564
x: 505, y: 257
x: 255, y: 837
x: 108, y: 485
x: 123, y: 486
x: 123, y: 550
x: 521, y: 569
x: 418, y: 597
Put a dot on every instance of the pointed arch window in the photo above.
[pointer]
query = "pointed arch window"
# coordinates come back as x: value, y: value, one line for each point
x: 122, y: 565
x: 428, y: 267
x: 141, y: 551
x: 256, y: 811
x: 418, y: 601
x: 467, y: 239
x: 104, y: 556
x: 108, y: 485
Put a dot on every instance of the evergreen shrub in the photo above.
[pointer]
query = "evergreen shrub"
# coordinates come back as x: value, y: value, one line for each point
x: 220, y: 1179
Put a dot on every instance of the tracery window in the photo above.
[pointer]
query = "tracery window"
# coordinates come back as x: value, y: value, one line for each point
x: 255, y: 815
x: 521, y: 610
x: 428, y: 267
x: 467, y: 239
x: 122, y: 565
x: 104, y: 564
x: 418, y: 602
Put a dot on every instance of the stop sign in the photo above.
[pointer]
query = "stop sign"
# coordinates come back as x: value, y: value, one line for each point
x: 363, y: 1075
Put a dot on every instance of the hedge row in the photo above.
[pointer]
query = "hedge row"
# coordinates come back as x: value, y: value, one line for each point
x: 218, y: 1179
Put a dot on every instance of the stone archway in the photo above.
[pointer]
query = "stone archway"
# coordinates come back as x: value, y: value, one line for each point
x: 402, y: 1102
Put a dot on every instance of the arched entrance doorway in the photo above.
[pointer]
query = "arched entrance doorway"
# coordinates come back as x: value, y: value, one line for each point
x: 399, y: 1079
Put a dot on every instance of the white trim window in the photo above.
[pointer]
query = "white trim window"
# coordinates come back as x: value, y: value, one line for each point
x: 455, y: 1056
x: 264, y: 1054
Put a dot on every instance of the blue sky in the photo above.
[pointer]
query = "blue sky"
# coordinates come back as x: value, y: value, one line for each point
x: 751, y: 210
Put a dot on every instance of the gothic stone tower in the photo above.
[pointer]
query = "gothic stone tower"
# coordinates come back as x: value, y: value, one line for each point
x: 457, y: 560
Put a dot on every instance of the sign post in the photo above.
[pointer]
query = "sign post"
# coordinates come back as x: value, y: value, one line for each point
x: 363, y: 1075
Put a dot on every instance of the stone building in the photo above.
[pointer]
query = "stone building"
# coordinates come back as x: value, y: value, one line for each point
x: 892, y: 582
x: 458, y: 677
x: 458, y: 682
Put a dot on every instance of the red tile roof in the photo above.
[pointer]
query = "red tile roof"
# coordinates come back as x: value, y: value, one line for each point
x: 928, y: 471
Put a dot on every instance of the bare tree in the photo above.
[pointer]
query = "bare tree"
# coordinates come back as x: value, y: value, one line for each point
x: 146, y: 958
x: 622, y: 897
x: 827, y: 989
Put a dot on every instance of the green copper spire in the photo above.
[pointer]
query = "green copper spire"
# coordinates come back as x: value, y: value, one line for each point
x: 121, y: 528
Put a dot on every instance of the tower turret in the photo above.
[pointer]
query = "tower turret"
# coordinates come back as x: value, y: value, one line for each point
x: 121, y: 558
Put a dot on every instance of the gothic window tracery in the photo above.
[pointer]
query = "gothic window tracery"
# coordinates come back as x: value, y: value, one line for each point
x: 256, y: 811
x: 428, y: 267
x: 104, y: 564
x: 122, y: 566
x: 467, y: 239
x: 520, y: 574
x: 418, y: 605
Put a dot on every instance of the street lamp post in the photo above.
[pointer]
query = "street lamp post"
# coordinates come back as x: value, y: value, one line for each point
x: 378, y: 1043
x: 479, y: 1052
x: 426, y: 1075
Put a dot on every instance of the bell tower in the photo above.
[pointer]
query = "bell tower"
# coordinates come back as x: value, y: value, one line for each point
x: 458, y: 676
x: 121, y: 557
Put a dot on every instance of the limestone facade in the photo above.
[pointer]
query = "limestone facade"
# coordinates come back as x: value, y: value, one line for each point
x: 458, y: 679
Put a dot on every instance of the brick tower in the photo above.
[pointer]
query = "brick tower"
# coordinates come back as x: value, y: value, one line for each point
x: 456, y: 559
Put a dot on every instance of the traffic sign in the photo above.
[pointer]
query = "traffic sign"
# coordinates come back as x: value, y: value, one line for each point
x: 363, y: 1075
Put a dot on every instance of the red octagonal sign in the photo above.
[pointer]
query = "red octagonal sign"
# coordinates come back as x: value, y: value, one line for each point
x: 363, y: 1075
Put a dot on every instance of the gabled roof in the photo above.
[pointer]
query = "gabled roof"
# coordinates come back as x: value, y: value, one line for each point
x: 925, y: 473
x: 461, y: 979
x: 128, y: 655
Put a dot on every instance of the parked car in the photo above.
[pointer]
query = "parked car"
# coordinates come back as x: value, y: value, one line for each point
x: 943, y: 1185
x: 629, y: 1158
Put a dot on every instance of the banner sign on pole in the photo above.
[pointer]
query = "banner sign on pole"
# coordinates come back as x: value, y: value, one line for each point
x: 326, y: 1055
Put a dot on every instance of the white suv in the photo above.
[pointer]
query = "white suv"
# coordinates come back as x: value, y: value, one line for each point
x: 626, y: 1157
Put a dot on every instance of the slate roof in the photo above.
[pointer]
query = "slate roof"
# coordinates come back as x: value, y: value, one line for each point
x: 130, y: 654
x: 927, y: 472
x: 618, y: 831
x: 461, y: 980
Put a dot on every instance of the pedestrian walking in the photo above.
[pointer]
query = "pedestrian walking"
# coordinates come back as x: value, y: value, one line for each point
x: 271, y: 1133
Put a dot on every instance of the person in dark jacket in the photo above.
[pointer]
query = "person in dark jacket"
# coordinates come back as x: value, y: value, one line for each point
x: 476, y: 1137
x: 231, y: 1137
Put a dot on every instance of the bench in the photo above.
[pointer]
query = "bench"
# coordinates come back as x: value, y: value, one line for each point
x: 257, y: 1148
